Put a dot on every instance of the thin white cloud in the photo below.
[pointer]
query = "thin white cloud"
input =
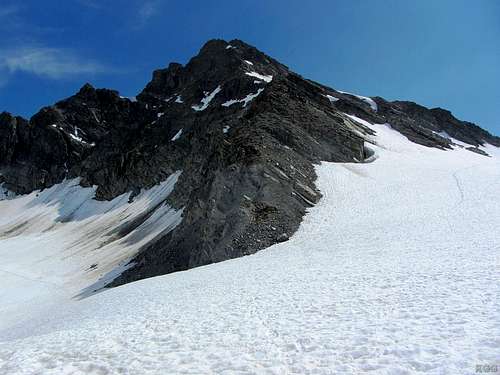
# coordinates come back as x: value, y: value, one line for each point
x: 54, y: 63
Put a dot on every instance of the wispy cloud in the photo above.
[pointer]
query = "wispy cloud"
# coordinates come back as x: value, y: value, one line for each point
x: 22, y: 51
x: 54, y: 63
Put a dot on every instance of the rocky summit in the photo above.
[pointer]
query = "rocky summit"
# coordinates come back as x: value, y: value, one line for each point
x: 243, y: 131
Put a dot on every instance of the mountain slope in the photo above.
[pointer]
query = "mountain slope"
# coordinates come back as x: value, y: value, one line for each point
x: 393, y: 271
x: 243, y: 131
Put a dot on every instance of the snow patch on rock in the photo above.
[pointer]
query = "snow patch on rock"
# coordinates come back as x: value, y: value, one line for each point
x: 332, y: 99
x: 177, y: 135
x: 453, y: 140
x: 265, y: 78
x: 74, y: 136
x: 207, y: 99
x: 247, y: 99
x: 366, y: 99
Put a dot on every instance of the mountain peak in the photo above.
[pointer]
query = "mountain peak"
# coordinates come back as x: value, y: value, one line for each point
x: 213, y: 45
x: 239, y: 69
x: 220, y: 45
x: 86, y: 89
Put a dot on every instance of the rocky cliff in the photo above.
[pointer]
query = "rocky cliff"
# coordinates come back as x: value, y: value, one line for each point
x: 244, y: 130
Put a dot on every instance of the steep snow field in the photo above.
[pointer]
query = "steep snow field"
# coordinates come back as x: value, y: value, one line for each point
x: 395, y: 271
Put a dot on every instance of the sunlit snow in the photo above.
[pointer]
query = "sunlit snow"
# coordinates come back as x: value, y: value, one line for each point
x: 360, y: 120
x: 332, y: 99
x: 74, y: 136
x: 206, y: 100
x: 262, y: 77
x: 177, y: 135
x: 60, y: 242
x: 247, y: 99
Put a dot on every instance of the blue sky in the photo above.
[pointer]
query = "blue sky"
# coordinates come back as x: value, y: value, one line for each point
x: 437, y: 53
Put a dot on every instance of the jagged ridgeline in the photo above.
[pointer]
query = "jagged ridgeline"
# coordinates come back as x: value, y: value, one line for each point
x: 240, y: 129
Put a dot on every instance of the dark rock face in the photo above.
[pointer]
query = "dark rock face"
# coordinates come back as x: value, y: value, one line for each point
x: 244, y: 130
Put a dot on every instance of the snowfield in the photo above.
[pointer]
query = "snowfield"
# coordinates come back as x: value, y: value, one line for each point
x: 395, y: 271
x: 60, y: 243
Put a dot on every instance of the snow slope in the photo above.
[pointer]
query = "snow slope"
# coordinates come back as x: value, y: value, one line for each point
x: 395, y: 271
x: 58, y: 243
